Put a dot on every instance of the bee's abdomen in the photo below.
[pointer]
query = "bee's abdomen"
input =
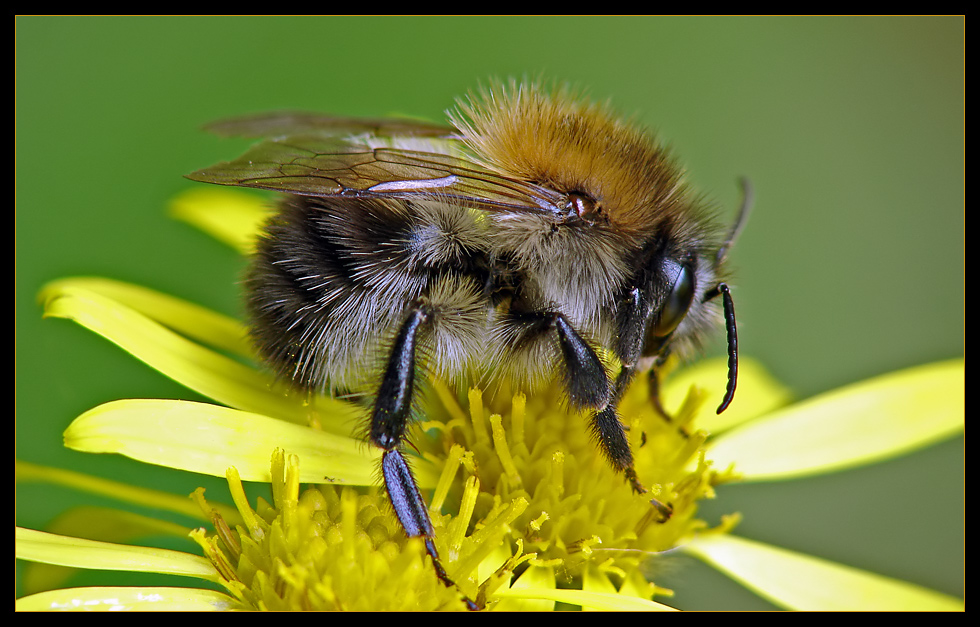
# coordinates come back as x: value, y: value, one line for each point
x: 332, y: 277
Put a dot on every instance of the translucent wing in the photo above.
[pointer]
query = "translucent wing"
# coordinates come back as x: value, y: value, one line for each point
x: 324, y: 165
x: 290, y: 123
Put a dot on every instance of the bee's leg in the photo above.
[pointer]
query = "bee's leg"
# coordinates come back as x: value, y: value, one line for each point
x: 585, y: 377
x: 588, y: 387
x: 611, y: 432
x: 632, y: 317
x: 653, y: 380
x: 389, y: 422
x: 403, y: 491
x: 392, y: 408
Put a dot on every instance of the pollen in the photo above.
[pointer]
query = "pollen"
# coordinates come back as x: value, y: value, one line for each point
x: 325, y: 548
x: 522, y: 486
x: 581, y: 515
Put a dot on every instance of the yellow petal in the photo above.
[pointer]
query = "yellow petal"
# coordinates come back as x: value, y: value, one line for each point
x: 801, y: 582
x: 205, y: 371
x: 229, y: 216
x: 120, y: 491
x: 859, y: 424
x: 95, y: 523
x: 536, y: 576
x: 189, y: 319
x: 209, y: 439
x: 592, y: 600
x: 105, y: 599
x: 38, y: 546
x: 757, y: 394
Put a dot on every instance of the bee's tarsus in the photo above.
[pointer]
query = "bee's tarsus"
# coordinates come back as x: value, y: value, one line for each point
x: 403, y: 492
x: 634, y: 481
x: 608, y: 429
x: 430, y: 548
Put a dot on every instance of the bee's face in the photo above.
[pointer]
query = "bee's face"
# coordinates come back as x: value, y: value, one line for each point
x: 528, y: 236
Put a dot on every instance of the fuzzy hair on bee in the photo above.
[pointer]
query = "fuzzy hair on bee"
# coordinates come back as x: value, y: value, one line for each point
x: 535, y: 237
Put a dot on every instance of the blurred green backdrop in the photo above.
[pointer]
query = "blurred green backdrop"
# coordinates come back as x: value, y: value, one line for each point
x: 852, y: 130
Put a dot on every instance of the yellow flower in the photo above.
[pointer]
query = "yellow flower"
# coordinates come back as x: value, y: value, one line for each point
x: 527, y: 513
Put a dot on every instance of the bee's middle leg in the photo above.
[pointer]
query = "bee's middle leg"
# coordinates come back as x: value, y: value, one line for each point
x: 611, y: 432
x: 588, y: 387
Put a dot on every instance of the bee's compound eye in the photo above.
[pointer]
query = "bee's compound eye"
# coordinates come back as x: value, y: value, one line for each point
x: 678, y: 300
x: 583, y: 206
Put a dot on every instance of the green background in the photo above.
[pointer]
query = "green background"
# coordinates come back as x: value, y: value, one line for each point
x: 851, y: 129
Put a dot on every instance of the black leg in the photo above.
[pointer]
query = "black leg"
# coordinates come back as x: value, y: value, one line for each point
x: 389, y: 422
x: 585, y: 376
x: 611, y: 434
x: 588, y: 386
x: 653, y: 378
x: 392, y: 408
x: 405, y: 497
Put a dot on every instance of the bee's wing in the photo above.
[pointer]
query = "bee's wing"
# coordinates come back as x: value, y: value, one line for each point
x: 292, y: 123
x: 314, y: 165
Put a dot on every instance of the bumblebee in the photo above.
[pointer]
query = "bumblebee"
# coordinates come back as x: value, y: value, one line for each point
x: 534, y: 237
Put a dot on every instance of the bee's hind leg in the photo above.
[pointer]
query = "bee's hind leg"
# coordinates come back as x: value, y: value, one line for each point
x: 403, y: 491
x: 389, y: 422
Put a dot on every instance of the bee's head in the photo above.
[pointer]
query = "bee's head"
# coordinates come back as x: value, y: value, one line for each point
x: 673, y: 301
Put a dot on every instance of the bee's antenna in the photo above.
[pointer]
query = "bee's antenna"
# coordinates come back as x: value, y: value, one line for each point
x: 748, y: 197
x: 729, y: 307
